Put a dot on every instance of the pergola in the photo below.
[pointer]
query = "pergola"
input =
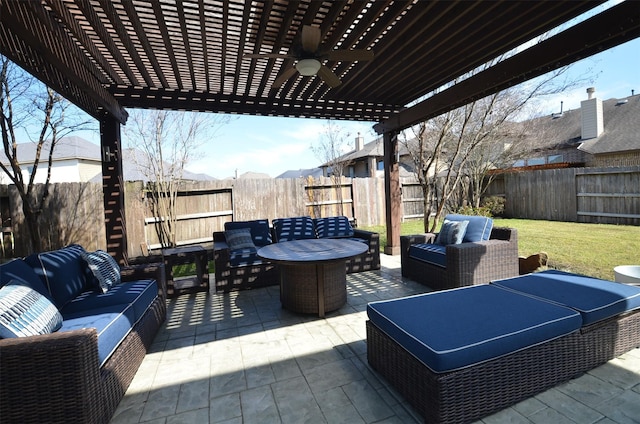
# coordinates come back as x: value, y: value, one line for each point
x: 107, y: 55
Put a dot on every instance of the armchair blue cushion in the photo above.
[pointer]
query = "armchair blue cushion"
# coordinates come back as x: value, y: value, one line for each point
x: 478, y: 229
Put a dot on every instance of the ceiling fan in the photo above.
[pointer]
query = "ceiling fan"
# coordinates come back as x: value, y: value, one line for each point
x: 309, y: 59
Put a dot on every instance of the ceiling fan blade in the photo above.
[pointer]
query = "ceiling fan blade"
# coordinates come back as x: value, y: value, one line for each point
x: 349, y: 55
x: 268, y: 56
x: 284, y: 77
x: 310, y: 38
x: 329, y: 77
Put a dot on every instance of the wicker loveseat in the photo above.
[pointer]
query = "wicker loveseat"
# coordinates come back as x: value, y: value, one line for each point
x: 459, y: 355
x: 243, y: 269
x: 80, y: 372
x: 485, y: 253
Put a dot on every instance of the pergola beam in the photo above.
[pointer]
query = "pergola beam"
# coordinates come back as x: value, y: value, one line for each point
x: 578, y: 42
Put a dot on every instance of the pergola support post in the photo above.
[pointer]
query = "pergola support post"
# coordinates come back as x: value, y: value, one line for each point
x: 392, y: 193
x: 113, y: 188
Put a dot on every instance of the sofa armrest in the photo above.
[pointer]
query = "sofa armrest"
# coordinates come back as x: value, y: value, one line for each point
x: 407, y: 241
x: 54, y: 376
x: 153, y: 271
x: 482, y: 261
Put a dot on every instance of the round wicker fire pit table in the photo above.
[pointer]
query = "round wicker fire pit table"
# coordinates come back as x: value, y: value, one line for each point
x: 313, y: 277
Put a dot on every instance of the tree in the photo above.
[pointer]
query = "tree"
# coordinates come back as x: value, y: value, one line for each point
x: 162, y: 143
x: 453, y: 153
x: 330, y: 150
x: 46, y: 117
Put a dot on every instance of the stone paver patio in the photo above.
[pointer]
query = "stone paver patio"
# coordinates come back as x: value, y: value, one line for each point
x: 241, y: 358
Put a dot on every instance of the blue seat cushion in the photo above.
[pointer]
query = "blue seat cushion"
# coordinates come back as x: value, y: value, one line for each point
x: 478, y: 229
x: 260, y: 232
x: 457, y: 328
x: 18, y: 270
x: 244, y: 257
x: 63, y: 272
x: 140, y: 294
x: 296, y: 228
x: 333, y: 227
x: 113, y: 323
x: 432, y: 253
x: 593, y: 298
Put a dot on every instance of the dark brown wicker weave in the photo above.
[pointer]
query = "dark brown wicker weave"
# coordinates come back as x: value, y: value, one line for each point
x: 56, y: 378
x: 229, y: 278
x: 467, y: 263
x: 474, y: 392
x: 299, y: 291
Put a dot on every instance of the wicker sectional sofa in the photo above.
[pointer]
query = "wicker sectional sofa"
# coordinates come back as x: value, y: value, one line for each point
x: 483, y: 254
x: 459, y: 355
x: 242, y: 268
x: 80, y: 372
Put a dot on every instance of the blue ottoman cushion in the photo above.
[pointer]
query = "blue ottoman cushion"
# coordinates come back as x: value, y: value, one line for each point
x: 595, y: 299
x: 432, y: 253
x: 454, y: 329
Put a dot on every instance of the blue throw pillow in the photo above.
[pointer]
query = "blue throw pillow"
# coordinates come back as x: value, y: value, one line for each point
x: 25, y: 312
x: 239, y: 239
x: 452, y: 232
x: 104, y: 268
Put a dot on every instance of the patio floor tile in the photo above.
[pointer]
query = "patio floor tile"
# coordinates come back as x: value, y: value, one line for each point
x: 240, y: 358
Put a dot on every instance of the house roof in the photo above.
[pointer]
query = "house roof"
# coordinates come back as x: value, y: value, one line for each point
x: 302, y: 173
x: 191, y: 55
x: 71, y: 147
x: 621, y: 129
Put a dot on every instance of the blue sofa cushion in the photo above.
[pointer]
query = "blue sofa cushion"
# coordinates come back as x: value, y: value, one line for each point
x: 18, y: 270
x: 432, y: 253
x: 113, y: 323
x: 104, y: 268
x: 457, y: 328
x: 239, y: 238
x: 63, y: 272
x: 452, y: 232
x: 25, y: 312
x: 594, y: 299
x: 478, y: 229
x: 140, y: 294
x: 260, y: 232
x: 244, y: 257
x: 296, y: 228
x: 333, y: 227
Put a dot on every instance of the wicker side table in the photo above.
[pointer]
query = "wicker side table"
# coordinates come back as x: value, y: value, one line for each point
x: 313, y: 277
x: 181, y: 256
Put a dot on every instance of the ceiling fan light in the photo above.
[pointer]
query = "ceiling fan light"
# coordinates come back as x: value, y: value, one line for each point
x: 308, y: 67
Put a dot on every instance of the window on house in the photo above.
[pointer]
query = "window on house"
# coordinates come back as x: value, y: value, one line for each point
x: 535, y: 161
x: 352, y: 171
x: 555, y: 159
x: 519, y: 163
x: 380, y: 165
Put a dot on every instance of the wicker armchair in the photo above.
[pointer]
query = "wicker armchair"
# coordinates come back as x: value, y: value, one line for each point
x: 466, y: 263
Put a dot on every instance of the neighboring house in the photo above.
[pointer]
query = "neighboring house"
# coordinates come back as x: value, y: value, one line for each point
x: 76, y: 159
x: 599, y: 134
x: 367, y: 160
x: 302, y: 173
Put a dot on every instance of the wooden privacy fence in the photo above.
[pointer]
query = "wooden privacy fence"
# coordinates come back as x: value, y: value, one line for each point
x: 593, y: 195
x: 74, y: 212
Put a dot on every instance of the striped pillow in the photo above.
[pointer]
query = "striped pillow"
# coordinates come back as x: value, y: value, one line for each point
x: 25, y: 312
x: 104, y: 268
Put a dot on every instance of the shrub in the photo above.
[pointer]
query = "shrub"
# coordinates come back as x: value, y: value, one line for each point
x: 495, y: 205
x: 470, y: 210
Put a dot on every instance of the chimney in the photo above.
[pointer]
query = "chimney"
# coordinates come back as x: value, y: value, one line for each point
x: 592, y: 120
x: 359, y: 142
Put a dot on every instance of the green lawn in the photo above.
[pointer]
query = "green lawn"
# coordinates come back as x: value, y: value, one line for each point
x: 590, y: 249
